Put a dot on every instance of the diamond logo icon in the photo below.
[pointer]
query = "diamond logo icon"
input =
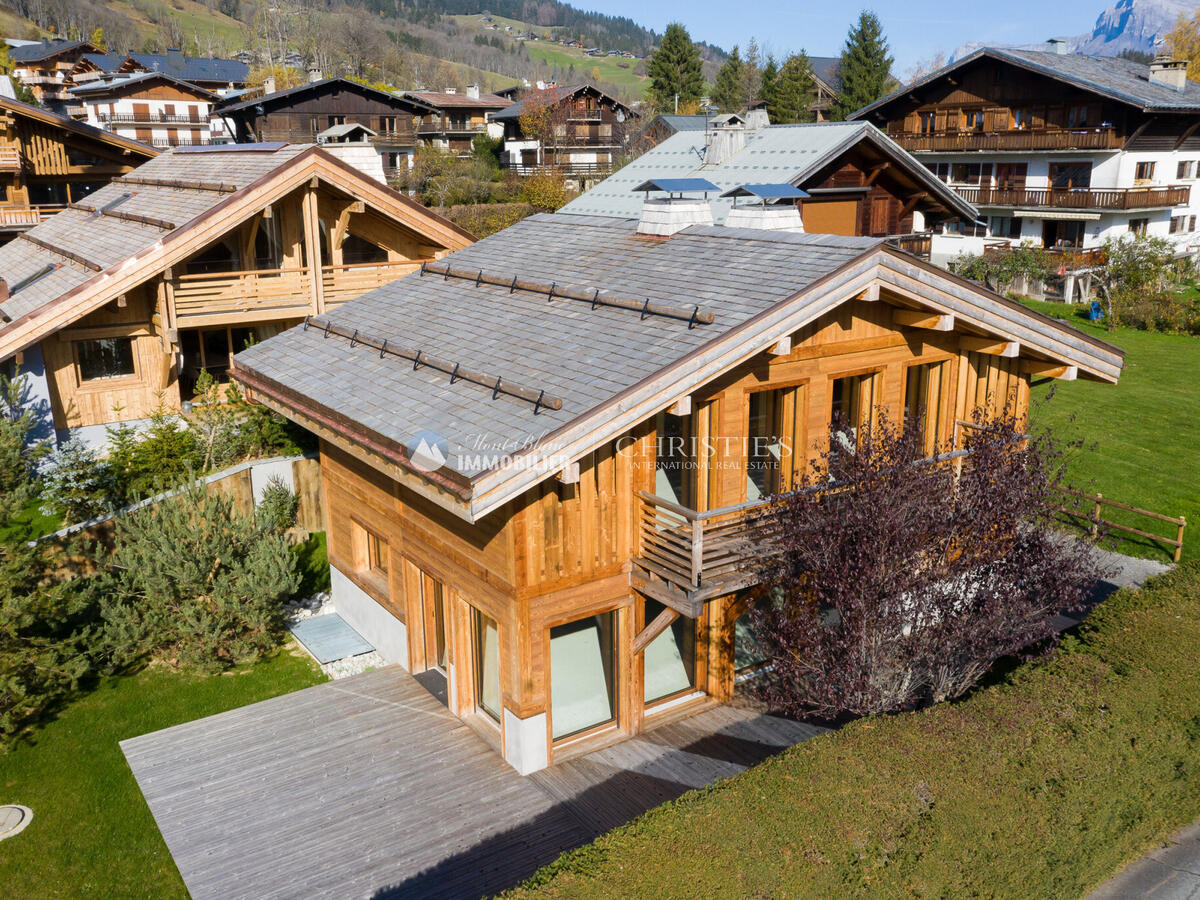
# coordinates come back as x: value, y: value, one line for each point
x: 427, y: 451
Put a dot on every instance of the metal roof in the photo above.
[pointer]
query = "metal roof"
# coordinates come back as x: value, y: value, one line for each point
x: 768, y: 192
x: 1109, y: 76
x: 104, y: 86
x: 45, y: 48
x: 775, y: 154
x: 677, y: 185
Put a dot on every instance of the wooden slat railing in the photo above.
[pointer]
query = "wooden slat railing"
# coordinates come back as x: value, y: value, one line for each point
x: 345, y: 282
x: 19, y: 217
x: 10, y: 159
x: 256, y: 294
x: 1082, y: 139
x: 1078, y: 198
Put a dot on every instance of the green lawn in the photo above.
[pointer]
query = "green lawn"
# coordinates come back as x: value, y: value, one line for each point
x: 1146, y: 429
x: 92, y: 834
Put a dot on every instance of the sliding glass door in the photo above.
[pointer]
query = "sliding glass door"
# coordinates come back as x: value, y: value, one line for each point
x: 669, y: 659
x: 583, y: 680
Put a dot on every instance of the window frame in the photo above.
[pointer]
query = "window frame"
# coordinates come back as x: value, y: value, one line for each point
x: 102, y: 381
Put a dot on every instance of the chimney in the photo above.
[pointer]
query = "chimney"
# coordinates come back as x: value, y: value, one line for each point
x: 1169, y: 72
x: 1056, y: 45
x: 174, y: 60
x: 314, y: 74
x: 665, y: 216
x: 724, y: 144
x: 472, y: 91
x: 269, y: 84
x: 781, y: 216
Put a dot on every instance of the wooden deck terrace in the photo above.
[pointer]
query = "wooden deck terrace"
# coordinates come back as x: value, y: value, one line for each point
x: 368, y: 787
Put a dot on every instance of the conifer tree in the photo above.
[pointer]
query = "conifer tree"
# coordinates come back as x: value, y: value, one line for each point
x: 768, y: 90
x: 727, y: 90
x: 794, y: 90
x: 866, y: 68
x: 675, y: 70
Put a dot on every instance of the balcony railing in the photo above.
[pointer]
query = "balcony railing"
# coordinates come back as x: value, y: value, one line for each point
x: 1066, y: 258
x: 449, y: 127
x: 918, y: 243
x: 258, y: 294
x: 345, y: 282
x: 1078, y: 198
x: 585, y: 115
x: 563, y: 168
x: 167, y: 143
x: 150, y: 118
x: 20, y: 217
x: 1080, y: 139
x: 10, y: 159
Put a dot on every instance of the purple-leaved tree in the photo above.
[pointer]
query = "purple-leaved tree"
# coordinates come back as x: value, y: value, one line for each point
x: 896, y: 581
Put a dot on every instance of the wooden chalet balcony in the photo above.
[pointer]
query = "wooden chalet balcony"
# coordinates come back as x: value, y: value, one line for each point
x: 342, y: 283
x: 688, y: 557
x: 20, y: 217
x: 1081, y: 139
x: 585, y: 115
x: 1078, y: 198
x: 10, y: 159
x: 449, y: 127
x: 151, y: 118
x: 258, y: 295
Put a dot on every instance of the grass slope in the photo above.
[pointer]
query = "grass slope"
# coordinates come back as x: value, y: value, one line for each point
x: 1145, y: 430
x: 92, y: 834
x: 1040, y: 786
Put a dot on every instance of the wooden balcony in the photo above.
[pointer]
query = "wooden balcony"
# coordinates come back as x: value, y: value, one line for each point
x: 18, y: 217
x: 252, y: 296
x: 151, y: 118
x: 1078, y: 198
x: 1081, y: 139
x: 918, y: 243
x: 342, y: 283
x: 10, y: 159
x: 688, y: 557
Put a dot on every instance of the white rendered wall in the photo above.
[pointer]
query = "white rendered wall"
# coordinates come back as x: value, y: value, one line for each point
x: 387, y: 634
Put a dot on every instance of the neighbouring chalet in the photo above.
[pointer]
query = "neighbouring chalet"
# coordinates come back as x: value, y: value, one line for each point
x: 539, y: 453
x: 1061, y: 149
x: 858, y: 181
x: 455, y: 118
x: 301, y: 113
x: 116, y: 304
x: 827, y: 83
x: 45, y: 68
x: 48, y: 160
x: 579, y: 129
x: 149, y: 107
x: 668, y: 125
x: 212, y: 73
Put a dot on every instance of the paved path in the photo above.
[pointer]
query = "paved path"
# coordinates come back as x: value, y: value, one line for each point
x: 1168, y: 873
x: 368, y: 787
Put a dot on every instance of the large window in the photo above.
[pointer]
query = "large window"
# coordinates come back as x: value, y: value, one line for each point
x: 1070, y: 175
x: 105, y: 358
x: 923, y: 402
x: 669, y: 659
x: 487, y: 665
x: 583, y: 679
x: 675, y: 467
x: 775, y: 447
x: 852, y: 400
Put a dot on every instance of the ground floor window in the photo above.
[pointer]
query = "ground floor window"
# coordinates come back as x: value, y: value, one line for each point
x: 583, y: 682
x: 105, y: 358
x: 211, y: 350
x: 669, y: 659
x: 487, y: 665
x: 1139, y: 226
x: 923, y: 402
x: 1058, y: 233
x: 748, y: 652
x: 852, y: 401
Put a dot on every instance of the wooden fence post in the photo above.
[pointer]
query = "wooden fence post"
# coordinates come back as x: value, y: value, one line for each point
x: 1179, y: 538
x: 1094, y: 530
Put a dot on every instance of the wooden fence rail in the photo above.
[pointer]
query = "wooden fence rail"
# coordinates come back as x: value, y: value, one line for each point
x: 1095, y: 519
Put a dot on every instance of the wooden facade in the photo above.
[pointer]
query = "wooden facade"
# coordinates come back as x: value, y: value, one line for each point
x: 580, y: 129
x: 48, y: 161
x: 587, y: 547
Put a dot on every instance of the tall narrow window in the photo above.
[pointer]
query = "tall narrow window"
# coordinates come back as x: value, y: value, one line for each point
x: 105, y: 358
x: 669, y: 659
x: 433, y: 597
x: 675, y: 469
x: 487, y: 665
x: 377, y: 553
x: 775, y: 451
x: 582, y: 675
x: 852, y: 401
x: 923, y: 402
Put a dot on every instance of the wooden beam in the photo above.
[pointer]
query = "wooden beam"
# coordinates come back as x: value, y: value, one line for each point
x: 911, y: 203
x: 990, y: 346
x: 1137, y: 132
x: 782, y: 347
x: 660, y: 624
x: 1049, y: 369
x: 312, y: 243
x: 682, y: 407
x: 875, y: 172
x: 569, y: 473
x: 871, y: 294
x: 916, y: 318
x: 1188, y: 132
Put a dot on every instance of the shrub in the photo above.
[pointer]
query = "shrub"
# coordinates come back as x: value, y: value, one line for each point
x: 146, y: 460
x: 78, y: 483
x: 192, y: 583
x: 276, y: 511
x: 1139, y: 282
x: 484, y: 219
x: 900, y: 583
x: 547, y: 191
x: 1001, y: 269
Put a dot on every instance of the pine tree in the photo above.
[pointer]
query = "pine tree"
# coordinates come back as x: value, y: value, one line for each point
x: 675, y: 70
x: 752, y: 64
x: 767, y: 93
x: 865, y: 69
x: 727, y: 91
x: 794, y: 90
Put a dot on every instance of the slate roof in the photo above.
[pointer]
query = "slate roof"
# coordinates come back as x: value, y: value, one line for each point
x: 828, y: 69
x: 1109, y: 76
x: 44, y: 49
x: 582, y: 355
x: 776, y: 154
x: 107, y: 85
x: 194, y: 68
x: 551, y: 96
x: 679, y: 123
x: 443, y: 100
x: 107, y: 240
x: 344, y: 84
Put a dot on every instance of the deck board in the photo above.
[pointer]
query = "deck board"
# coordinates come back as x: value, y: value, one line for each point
x: 368, y: 787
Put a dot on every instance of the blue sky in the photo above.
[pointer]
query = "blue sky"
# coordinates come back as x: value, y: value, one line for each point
x: 916, y: 29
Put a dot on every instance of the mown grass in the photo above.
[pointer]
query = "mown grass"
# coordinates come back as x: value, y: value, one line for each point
x: 1041, y: 785
x: 1142, y: 433
x: 92, y: 834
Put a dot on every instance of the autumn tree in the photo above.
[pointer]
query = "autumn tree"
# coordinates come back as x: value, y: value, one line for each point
x: 892, y: 581
x: 1183, y: 42
x: 866, y: 67
x: 675, y: 70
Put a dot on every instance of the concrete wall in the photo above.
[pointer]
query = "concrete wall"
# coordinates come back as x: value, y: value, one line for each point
x: 387, y: 633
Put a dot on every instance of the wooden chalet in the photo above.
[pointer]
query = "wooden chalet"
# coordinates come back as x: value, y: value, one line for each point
x: 301, y: 113
x: 827, y: 82
x: 48, y: 160
x: 116, y: 304
x: 540, y: 455
x: 455, y: 118
x: 151, y: 108
x: 45, y: 68
x: 582, y: 130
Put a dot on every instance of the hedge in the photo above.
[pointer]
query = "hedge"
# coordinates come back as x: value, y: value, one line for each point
x: 1040, y: 785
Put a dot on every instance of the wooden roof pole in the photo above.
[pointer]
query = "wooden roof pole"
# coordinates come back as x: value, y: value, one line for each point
x: 312, y: 243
